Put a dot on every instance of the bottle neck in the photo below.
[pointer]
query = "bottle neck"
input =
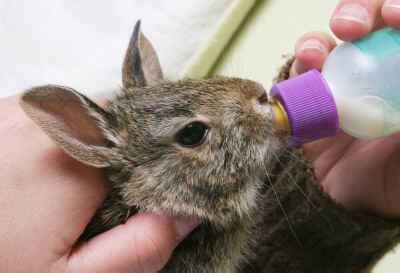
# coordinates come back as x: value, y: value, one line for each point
x: 280, y: 119
x: 306, y: 110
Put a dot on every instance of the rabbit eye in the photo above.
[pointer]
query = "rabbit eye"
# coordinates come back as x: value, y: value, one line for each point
x: 192, y: 134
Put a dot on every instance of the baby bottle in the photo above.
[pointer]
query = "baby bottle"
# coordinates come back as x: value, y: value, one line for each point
x: 358, y: 91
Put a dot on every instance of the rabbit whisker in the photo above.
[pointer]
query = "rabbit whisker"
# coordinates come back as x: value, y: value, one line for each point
x: 284, y: 212
x: 300, y: 189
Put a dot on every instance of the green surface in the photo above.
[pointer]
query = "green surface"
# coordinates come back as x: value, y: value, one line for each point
x: 204, y: 60
x: 270, y: 31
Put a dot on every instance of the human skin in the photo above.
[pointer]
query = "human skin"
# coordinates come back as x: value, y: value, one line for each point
x: 362, y: 175
x: 47, y: 200
x: 44, y: 192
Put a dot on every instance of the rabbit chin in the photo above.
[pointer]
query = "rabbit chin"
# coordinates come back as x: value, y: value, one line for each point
x: 230, y: 213
x: 225, y: 214
x: 232, y: 207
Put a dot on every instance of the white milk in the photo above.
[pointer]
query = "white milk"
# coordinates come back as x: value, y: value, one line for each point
x: 364, y: 78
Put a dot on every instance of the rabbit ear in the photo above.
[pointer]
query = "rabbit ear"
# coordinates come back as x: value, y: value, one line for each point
x: 73, y: 121
x: 141, y: 65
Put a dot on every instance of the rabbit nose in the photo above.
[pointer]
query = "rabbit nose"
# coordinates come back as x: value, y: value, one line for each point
x: 263, y: 99
x: 262, y: 94
x: 259, y: 92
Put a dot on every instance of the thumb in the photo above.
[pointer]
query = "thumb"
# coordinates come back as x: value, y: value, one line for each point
x: 143, y: 244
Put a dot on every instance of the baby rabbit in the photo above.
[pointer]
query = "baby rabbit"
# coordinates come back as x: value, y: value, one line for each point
x: 195, y: 148
x: 204, y: 148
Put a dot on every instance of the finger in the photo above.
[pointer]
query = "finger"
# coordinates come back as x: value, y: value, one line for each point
x: 143, y: 244
x: 311, y: 52
x: 391, y: 13
x: 324, y: 153
x: 354, y: 19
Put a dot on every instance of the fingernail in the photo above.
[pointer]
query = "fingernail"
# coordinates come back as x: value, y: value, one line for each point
x: 392, y: 4
x: 185, y: 225
x: 353, y: 12
x: 311, y: 44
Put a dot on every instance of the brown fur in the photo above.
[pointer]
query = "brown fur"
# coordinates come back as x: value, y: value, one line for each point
x: 239, y: 181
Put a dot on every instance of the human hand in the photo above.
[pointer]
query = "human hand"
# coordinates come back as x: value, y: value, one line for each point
x: 47, y: 199
x: 359, y: 174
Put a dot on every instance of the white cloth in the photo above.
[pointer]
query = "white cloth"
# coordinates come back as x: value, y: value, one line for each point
x: 81, y: 44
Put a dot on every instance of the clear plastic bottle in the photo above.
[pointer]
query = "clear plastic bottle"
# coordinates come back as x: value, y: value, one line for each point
x: 358, y: 90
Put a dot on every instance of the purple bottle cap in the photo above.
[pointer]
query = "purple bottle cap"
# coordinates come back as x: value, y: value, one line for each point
x: 310, y: 107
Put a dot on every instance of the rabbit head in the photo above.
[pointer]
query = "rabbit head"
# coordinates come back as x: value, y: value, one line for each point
x: 195, y: 147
